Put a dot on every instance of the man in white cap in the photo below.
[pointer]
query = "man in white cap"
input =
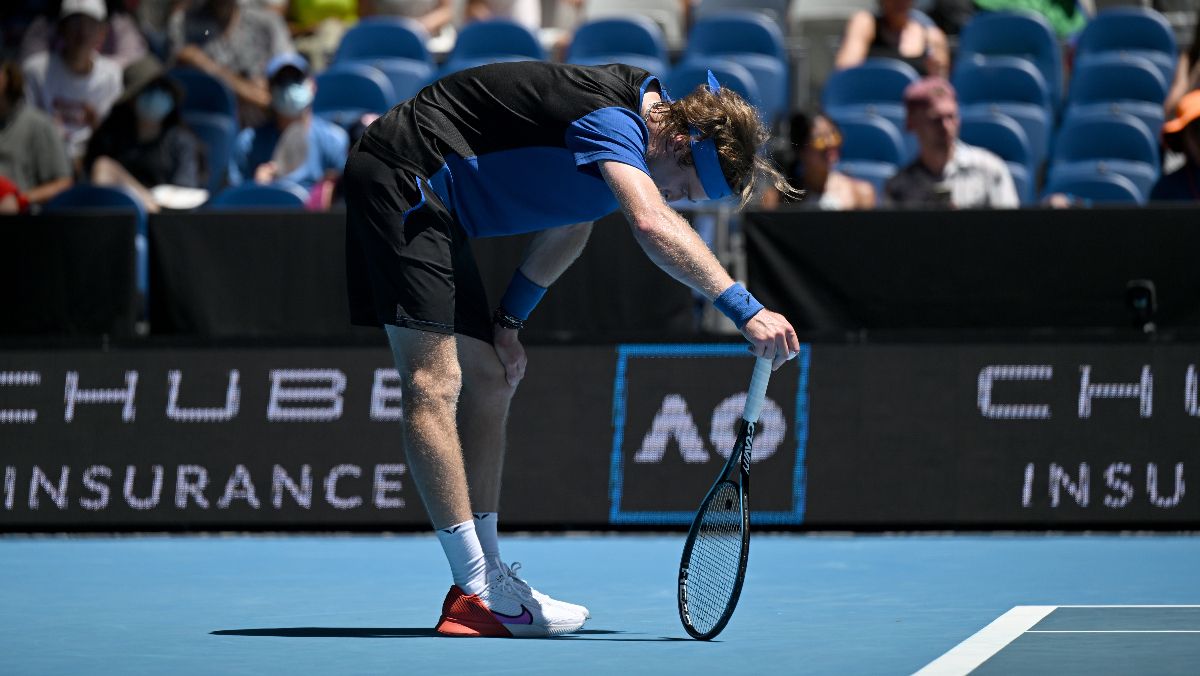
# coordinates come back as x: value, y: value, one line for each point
x: 75, y: 84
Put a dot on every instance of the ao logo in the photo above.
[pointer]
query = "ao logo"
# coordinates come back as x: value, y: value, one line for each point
x: 675, y: 421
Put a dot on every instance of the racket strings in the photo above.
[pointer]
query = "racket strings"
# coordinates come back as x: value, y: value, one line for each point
x: 715, y: 558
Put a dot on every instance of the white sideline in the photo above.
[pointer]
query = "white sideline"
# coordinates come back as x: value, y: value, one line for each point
x: 976, y: 649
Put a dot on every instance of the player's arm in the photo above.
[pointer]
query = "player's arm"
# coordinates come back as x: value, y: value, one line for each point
x: 549, y: 255
x: 675, y: 247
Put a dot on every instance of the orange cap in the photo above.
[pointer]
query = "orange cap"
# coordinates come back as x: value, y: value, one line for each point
x: 1187, y: 111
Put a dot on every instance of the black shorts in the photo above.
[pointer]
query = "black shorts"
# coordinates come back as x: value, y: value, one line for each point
x: 408, y: 261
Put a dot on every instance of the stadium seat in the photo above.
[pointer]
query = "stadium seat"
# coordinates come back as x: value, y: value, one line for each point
x: 867, y: 137
x: 876, y: 86
x: 84, y: 196
x: 1119, y: 82
x: 384, y: 37
x: 668, y: 14
x: 492, y: 41
x: 775, y: 10
x: 633, y: 40
x: 407, y: 76
x: 754, y: 42
x: 1002, y: 135
x: 1020, y: 34
x: 1011, y: 86
x: 348, y: 90
x: 217, y: 133
x: 1108, y: 143
x: 685, y: 77
x: 1096, y: 186
x: 204, y: 93
x: 280, y: 195
x: 1134, y: 31
x: 875, y: 173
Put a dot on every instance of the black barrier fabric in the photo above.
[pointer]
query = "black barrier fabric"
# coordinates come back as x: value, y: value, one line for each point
x: 868, y: 436
x: 68, y: 274
x: 977, y: 269
x: 221, y: 274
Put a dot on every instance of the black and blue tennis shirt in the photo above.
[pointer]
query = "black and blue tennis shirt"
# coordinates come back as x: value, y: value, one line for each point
x: 515, y: 147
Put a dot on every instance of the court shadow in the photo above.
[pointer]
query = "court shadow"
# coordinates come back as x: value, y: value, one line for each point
x: 414, y: 632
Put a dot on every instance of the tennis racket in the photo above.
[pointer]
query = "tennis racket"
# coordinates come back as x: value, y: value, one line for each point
x: 713, y: 566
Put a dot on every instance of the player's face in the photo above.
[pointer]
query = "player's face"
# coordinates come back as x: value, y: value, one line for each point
x: 676, y: 182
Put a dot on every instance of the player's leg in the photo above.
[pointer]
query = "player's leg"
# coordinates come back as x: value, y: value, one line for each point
x: 483, y: 420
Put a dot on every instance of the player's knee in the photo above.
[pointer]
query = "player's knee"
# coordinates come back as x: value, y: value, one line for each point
x: 486, y: 377
x: 432, y: 387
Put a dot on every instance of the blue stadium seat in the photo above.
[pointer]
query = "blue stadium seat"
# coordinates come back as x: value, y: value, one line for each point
x: 1108, y: 143
x: 1002, y: 135
x: 348, y: 90
x: 1021, y: 34
x: 492, y: 41
x: 875, y: 173
x: 384, y: 37
x: 867, y: 137
x: 204, y: 93
x: 407, y: 76
x: 1095, y: 185
x: 685, y: 77
x: 633, y: 40
x: 755, y: 42
x: 1011, y: 86
x: 84, y: 196
x: 876, y: 86
x: 1119, y: 82
x: 1134, y: 31
x: 217, y: 133
x: 280, y: 195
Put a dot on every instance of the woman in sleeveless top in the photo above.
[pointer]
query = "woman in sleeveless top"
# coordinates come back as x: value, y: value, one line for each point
x: 899, y: 32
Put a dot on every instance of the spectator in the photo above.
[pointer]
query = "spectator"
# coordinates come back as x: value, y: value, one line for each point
x: 74, y: 83
x: 528, y: 13
x: 295, y: 145
x: 318, y: 26
x: 1066, y: 17
x: 819, y: 143
x: 1182, y: 134
x: 897, y: 32
x: 434, y: 15
x: 123, y: 41
x: 1187, y: 72
x: 144, y: 142
x: 32, y: 155
x: 233, y: 44
x: 947, y: 172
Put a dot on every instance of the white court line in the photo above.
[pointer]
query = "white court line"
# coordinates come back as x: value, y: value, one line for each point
x: 966, y: 656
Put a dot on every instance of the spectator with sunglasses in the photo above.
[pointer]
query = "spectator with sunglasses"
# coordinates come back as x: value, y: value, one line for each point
x: 813, y: 155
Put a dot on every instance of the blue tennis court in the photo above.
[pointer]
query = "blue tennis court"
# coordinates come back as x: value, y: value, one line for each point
x: 818, y: 604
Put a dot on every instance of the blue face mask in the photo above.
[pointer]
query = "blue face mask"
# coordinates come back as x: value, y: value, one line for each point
x: 292, y: 99
x: 155, y: 104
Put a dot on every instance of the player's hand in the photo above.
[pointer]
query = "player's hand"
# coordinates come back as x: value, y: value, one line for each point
x: 772, y: 337
x: 511, y: 354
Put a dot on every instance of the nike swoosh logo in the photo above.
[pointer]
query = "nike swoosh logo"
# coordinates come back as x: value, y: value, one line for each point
x: 524, y: 618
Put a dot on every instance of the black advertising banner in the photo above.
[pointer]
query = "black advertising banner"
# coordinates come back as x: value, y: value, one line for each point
x: 977, y: 436
x: 852, y: 436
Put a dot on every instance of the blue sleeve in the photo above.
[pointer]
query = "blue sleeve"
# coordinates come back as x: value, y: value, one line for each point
x: 614, y: 133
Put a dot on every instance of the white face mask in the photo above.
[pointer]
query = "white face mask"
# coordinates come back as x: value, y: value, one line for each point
x: 291, y: 100
x: 155, y: 104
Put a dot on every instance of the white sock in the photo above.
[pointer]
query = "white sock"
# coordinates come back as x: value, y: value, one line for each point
x: 465, y: 556
x: 489, y: 539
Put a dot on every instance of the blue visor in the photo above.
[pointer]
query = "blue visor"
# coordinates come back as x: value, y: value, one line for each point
x: 704, y: 157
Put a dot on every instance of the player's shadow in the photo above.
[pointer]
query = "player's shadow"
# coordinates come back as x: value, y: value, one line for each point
x: 411, y: 632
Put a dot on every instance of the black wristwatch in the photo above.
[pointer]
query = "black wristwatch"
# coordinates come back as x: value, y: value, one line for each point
x: 502, y: 318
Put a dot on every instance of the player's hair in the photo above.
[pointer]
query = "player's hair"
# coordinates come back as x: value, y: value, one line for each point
x: 739, y: 135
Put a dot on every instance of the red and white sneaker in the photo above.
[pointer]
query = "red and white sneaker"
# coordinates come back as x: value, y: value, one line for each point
x: 504, y: 610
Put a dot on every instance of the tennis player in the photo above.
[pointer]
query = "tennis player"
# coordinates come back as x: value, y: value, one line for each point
x: 500, y: 150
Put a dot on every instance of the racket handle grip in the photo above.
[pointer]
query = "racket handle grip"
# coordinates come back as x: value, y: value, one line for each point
x: 758, y: 389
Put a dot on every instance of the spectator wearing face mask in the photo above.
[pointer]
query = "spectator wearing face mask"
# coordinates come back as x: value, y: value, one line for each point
x: 144, y: 142
x: 294, y: 145
x: 74, y: 83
